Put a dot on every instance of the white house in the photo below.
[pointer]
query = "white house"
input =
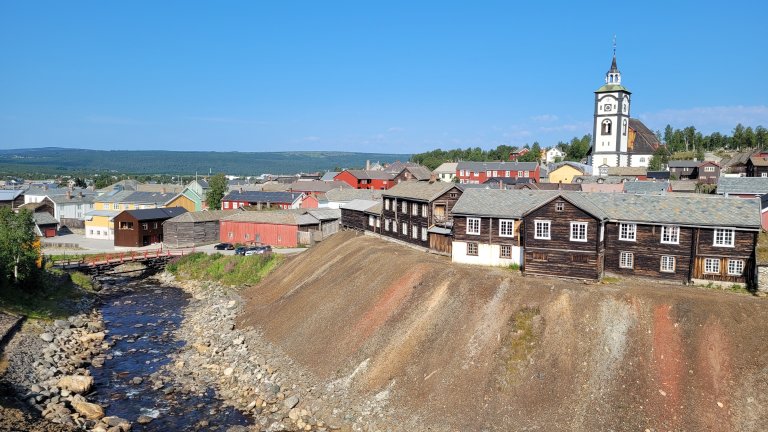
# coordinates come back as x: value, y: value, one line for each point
x: 446, y: 172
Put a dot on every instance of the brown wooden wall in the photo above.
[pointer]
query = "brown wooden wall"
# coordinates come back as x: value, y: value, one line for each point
x: 187, y: 234
x: 560, y: 256
x: 441, y: 242
x: 396, y: 216
x: 744, y: 244
x: 489, y: 232
x: 136, y: 236
x: 354, y: 219
x: 648, y: 250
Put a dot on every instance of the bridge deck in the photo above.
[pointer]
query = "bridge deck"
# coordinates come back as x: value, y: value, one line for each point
x: 104, y: 263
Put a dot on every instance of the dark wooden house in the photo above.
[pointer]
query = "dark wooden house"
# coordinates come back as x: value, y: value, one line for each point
x: 709, y: 172
x: 757, y: 166
x: 194, y: 228
x: 13, y: 198
x: 137, y: 228
x: 684, y: 169
x: 410, y: 209
x: 361, y: 215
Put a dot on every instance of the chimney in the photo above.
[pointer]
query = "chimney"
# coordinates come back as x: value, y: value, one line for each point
x: 432, y: 178
x: 80, y: 194
x: 367, y: 165
x: 162, y: 190
x: 69, y: 194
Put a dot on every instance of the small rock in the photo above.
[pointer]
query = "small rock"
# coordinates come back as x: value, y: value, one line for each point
x: 662, y: 392
x: 62, y: 324
x: 720, y: 404
x: 76, y: 383
x: 48, y: 337
x: 229, y: 371
x: 291, y: 402
x: 137, y: 380
x: 88, y: 410
x: 144, y: 419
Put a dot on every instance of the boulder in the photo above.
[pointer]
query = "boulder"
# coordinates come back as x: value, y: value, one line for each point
x: 91, y: 411
x: 48, y: 337
x: 291, y: 402
x: 92, y: 337
x: 76, y: 383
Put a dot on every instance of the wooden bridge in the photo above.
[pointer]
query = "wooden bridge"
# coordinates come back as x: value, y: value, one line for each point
x: 102, y: 264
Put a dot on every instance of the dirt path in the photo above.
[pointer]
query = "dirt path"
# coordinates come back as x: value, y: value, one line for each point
x: 463, y: 347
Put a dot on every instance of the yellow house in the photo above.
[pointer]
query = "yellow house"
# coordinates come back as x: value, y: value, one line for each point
x: 566, y: 172
x: 98, y: 222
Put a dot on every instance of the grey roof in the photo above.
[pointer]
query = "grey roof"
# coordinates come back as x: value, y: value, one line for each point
x: 360, y: 205
x: 203, y: 216
x: 421, y: 191
x: 373, y: 174
x: 683, y: 185
x: 74, y: 199
x: 627, y: 171
x: 44, y: 218
x: 646, y: 141
x: 318, y: 185
x: 684, y: 164
x: 346, y: 195
x: 698, y: 210
x: 447, y: 167
x: 276, y: 217
x: 262, y: 196
x: 440, y: 230
x: 646, y: 187
x: 742, y: 185
x: 419, y: 172
x: 329, y: 175
x: 133, y: 197
x: 156, y: 213
x: 10, y: 194
x: 584, y: 168
x: 498, y: 166
x: 108, y: 213
x: 325, y: 214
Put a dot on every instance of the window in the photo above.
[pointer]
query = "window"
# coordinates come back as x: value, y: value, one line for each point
x: 154, y: 225
x: 538, y: 256
x: 764, y: 174
x: 115, y: 206
x: 404, y: 207
x: 626, y: 260
x: 386, y: 224
x: 712, y: 265
x: 386, y: 204
x: 423, y: 234
x: 394, y: 227
x: 508, y: 174
x: 405, y: 229
x: 526, y: 173
x: 371, y: 221
x: 735, y: 267
x: 519, y: 173
x: 642, y: 159
x: 624, y: 132
x: 473, y: 226
x: 541, y: 230
x: 415, y: 231
x: 424, y: 210
x: 579, y: 231
x: 560, y: 206
x: 90, y: 232
x: 126, y: 225
x: 670, y: 234
x: 461, y: 173
x: 628, y: 232
x: 667, y: 264
x: 505, y: 251
x: 247, y: 236
x: 606, y: 129
x: 415, y: 209
x: 145, y: 226
x: 723, y: 237
x: 488, y: 173
x: 472, y: 249
x: 709, y: 168
x: 453, y: 195
x: 506, y: 228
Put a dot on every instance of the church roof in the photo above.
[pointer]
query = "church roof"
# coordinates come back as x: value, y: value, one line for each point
x: 614, y: 68
x: 612, y: 88
x: 645, y: 140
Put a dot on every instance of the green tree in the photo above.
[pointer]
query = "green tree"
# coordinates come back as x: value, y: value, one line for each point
x: 218, y: 187
x: 18, y: 254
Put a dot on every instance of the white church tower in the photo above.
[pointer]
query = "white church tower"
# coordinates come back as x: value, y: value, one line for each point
x: 610, y: 134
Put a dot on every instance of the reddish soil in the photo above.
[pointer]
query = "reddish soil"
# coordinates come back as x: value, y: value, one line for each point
x: 442, y: 338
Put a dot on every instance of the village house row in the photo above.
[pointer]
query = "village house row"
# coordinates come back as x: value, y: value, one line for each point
x: 687, y: 238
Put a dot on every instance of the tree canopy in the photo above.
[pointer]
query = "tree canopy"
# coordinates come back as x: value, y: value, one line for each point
x: 18, y: 251
x: 218, y: 188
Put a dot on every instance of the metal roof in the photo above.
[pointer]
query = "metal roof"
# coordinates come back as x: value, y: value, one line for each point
x: 742, y: 185
x: 346, y: 195
x: 156, y: 213
x: 325, y: 214
x: 10, y: 194
x: 44, y: 218
x: 373, y: 174
x: 684, y: 164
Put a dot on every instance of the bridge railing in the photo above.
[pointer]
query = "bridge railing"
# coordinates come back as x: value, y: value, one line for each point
x: 121, y: 257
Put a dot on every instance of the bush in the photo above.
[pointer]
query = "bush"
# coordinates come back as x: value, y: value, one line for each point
x: 225, y: 269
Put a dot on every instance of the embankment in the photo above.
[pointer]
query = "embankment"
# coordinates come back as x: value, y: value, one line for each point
x: 471, y: 348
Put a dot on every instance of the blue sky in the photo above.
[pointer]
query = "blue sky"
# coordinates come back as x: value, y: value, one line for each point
x: 366, y: 76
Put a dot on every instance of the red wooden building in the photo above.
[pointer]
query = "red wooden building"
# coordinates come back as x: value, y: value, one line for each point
x: 274, y: 228
x: 261, y: 199
x: 480, y: 172
x: 367, y: 179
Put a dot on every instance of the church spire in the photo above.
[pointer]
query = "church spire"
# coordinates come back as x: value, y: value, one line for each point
x: 613, y: 76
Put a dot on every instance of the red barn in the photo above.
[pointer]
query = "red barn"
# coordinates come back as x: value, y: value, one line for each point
x: 480, y: 172
x: 281, y: 200
x: 275, y: 228
x: 367, y: 179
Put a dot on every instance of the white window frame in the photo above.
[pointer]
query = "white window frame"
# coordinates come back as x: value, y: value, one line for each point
x: 626, y: 260
x: 403, y: 207
x: 386, y: 204
x: 580, y: 229
x: 475, y: 246
x: 386, y: 224
x: 709, y: 168
x: 414, y: 209
x: 735, y: 267
x: 667, y: 264
x: 415, y: 231
x: 519, y: 173
x: 394, y: 226
x: 506, y: 227
x: 542, y: 224
x: 371, y: 221
x: 559, y: 206
x: 501, y: 251
x: 424, y: 235
x: 711, y: 265
x: 473, y: 226
x: 424, y: 210
x: 726, y: 232
x: 670, y: 234
x: 405, y: 229
x: 627, y: 232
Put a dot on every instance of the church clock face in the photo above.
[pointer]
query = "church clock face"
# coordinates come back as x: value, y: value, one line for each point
x: 607, y: 107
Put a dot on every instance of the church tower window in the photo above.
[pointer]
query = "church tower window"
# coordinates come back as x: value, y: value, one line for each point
x: 606, y: 130
x: 624, y: 127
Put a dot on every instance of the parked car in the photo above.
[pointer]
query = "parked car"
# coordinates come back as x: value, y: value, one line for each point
x: 240, y: 250
x: 258, y: 250
x: 224, y: 246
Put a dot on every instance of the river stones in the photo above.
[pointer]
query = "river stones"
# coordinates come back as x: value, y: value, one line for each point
x: 92, y: 337
x: 144, y: 419
x: 91, y: 411
x: 48, y: 337
x: 76, y: 383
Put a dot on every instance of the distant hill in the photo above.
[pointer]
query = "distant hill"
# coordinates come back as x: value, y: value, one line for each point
x: 53, y: 160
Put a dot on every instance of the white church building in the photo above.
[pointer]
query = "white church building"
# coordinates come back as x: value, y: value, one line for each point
x: 617, y: 139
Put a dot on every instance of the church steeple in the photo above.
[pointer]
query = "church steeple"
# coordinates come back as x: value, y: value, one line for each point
x: 613, y: 76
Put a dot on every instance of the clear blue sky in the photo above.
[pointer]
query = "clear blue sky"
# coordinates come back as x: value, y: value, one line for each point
x: 366, y: 76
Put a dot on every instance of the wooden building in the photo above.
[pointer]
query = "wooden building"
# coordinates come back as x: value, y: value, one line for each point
x: 13, y: 198
x: 362, y: 215
x: 282, y: 228
x: 709, y: 172
x: 757, y: 166
x: 137, y: 228
x: 479, y: 172
x: 265, y: 200
x: 410, y: 209
x: 367, y: 179
x: 684, y: 169
x: 194, y: 228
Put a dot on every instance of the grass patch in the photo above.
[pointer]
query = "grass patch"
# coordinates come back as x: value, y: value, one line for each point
x: 610, y: 280
x: 514, y: 267
x: 225, y: 269
x: 762, y: 248
x: 519, y: 343
x: 55, y: 296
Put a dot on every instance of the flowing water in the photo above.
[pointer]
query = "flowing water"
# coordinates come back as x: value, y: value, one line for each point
x: 141, y: 323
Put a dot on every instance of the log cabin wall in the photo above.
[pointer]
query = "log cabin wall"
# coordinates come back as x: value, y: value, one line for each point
x: 489, y: 231
x: 647, y: 251
x: 744, y: 244
x: 394, y: 215
x: 560, y: 256
x: 354, y: 219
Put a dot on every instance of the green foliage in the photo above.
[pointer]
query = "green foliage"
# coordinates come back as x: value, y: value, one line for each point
x: 55, y: 296
x: 82, y: 280
x: 514, y: 267
x: 225, y: 269
x: 18, y: 253
x: 659, y: 160
x: 689, y: 139
x: 218, y: 188
x: 533, y: 155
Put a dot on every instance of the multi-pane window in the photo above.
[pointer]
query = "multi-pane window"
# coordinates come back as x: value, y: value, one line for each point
x: 386, y: 204
x: 415, y: 209
x: 542, y: 230
x: 145, y: 226
x: 394, y: 226
x: 724, y: 237
x: 506, y: 228
x: 735, y: 267
x: 473, y: 226
x: 709, y: 169
x: 415, y: 231
x: 712, y: 265
x: 560, y: 206
x: 626, y: 260
x: 472, y: 249
x: 519, y: 173
x: 505, y: 251
x: 423, y: 234
x: 628, y: 231
x: 424, y: 210
x: 670, y: 234
x: 579, y: 231
x: 405, y: 229
x: 667, y: 264
x: 404, y: 207
x: 386, y: 224
x: 371, y: 221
